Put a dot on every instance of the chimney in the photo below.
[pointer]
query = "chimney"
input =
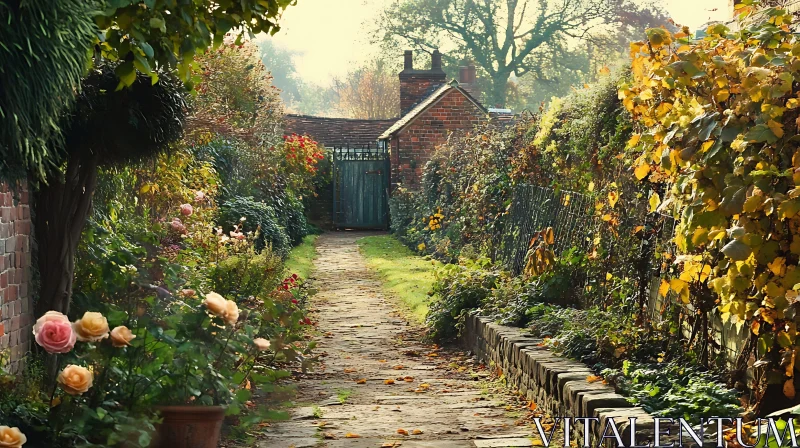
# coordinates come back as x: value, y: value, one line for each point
x: 436, y: 60
x: 415, y: 85
x: 467, y: 80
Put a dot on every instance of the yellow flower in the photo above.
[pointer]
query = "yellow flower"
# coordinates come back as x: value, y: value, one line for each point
x: 121, y: 336
x: 216, y: 304
x: 11, y: 437
x: 421, y: 247
x: 92, y: 327
x: 231, y: 312
x: 75, y: 380
x: 261, y: 343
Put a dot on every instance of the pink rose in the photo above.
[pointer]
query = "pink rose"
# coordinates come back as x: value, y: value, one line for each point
x: 187, y: 210
x: 55, y: 336
x: 177, y: 225
x: 199, y: 196
x: 47, y: 317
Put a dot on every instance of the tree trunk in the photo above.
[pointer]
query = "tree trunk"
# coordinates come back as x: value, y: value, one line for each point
x: 497, y: 96
x: 62, y: 207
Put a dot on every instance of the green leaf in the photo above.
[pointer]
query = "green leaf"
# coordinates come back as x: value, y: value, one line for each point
x: 126, y: 73
x: 156, y: 23
x: 147, y: 48
x: 761, y: 133
x: 141, y: 64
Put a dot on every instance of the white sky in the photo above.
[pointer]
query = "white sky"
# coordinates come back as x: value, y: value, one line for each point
x: 332, y: 36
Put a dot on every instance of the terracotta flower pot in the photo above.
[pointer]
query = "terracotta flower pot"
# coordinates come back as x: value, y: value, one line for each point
x: 189, y: 426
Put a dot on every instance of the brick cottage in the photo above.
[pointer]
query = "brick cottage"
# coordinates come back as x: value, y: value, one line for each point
x: 431, y: 109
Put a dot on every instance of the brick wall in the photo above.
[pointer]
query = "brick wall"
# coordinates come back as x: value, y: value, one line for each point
x: 16, y: 306
x: 412, y: 148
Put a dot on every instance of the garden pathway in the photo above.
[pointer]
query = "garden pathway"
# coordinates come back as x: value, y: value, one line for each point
x: 362, y: 336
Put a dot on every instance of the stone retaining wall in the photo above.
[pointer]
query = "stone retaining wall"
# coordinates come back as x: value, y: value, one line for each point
x: 557, y: 385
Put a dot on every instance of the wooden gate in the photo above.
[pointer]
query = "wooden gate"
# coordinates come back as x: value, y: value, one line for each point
x: 361, y: 188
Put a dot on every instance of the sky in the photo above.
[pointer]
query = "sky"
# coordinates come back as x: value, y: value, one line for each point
x: 332, y: 36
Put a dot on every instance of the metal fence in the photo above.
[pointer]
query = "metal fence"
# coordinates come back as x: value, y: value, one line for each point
x: 642, y: 251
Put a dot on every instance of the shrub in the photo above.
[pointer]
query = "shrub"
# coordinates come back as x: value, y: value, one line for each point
x: 674, y: 390
x: 258, y: 216
x: 458, y: 290
x: 512, y: 301
x: 404, y: 209
x: 548, y: 320
x: 293, y: 218
x: 246, y: 275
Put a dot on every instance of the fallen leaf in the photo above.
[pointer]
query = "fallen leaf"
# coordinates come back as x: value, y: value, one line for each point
x: 352, y: 435
x: 416, y: 432
x: 402, y: 432
x: 381, y: 360
x: 593, y: 378
x: 349, y: 370
x: 408, y: 379
x: 328, y: 435
x: 361, y: 381
x: 532, y: 406
x: 398, y: 367
x: 389, y: 381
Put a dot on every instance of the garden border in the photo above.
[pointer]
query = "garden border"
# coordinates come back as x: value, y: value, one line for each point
x: 557, y: 385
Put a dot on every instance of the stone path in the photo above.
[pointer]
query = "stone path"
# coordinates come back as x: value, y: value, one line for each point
x: 379, y: 381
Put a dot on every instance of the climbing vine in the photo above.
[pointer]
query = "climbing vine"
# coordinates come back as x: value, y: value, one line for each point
x: 718, y: 120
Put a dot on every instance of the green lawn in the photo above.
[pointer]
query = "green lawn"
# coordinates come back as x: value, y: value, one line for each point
x: 404, y: 274
x: 301, y: 258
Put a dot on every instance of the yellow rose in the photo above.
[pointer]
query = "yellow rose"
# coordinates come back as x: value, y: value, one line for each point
x: 75, y: 380
x: 121, y: 336
x: 216, y: 304
x: 261, y: 343
x: 231, y: 312
x: 92, y: 327
x: 11, y: 437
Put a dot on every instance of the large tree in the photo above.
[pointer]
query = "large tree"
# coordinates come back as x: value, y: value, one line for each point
x: 511, y: 37
x: 369, y: 92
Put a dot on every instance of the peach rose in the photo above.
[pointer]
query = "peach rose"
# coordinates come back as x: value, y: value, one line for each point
x: 186, y: 209
x: 92, y: 327
x: 11, y: 437
x: 55, y: 336
x: 199, y: 196
x: 121, y: 336
x: 261, y: 343
x: 231, y: 312
x: 75, y: 380
x: 216, y: 304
